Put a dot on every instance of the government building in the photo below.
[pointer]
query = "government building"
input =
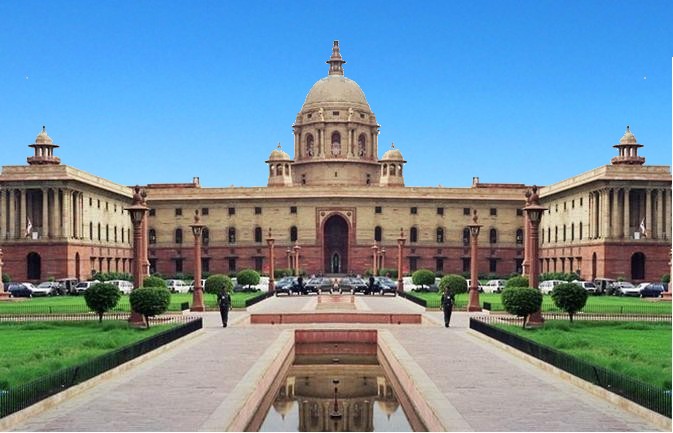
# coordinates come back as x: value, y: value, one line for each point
x: 332, y: 201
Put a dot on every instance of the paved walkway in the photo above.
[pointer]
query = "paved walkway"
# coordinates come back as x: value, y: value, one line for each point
x: 182, y: 389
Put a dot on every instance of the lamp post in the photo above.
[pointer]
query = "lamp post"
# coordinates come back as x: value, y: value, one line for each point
x: 269, y: 242
x: 534, y: 212
x: 375, y: 259
x: 137, y: 212
x: 400, y: 250
x: 526, y: 240
x: 296, y: 249
x: 197, y: 230
x: 289, y: 258
x: 473, y: 303
x: 144, y: 227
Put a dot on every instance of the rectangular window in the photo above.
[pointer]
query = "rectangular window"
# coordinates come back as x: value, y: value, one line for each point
x: 519, y: 212
x: 572, y: 204
x: 153, y: 212
x: 232, y: 264
x: 580, y: 201
x: 205, y: 264
x: 439, y: 264
x: 293, y: 209
x: 98, y: 204
x: 258, y: 263
x: 90, y: 201
x: 413, y: 264
x: 258, y: 211
x: 178, y: 211
x: 493, y: 265
x: 414, y: 210
x: 494, y: 211
x: 205, y: 211
x: 232, y: 211
x: 178, y: 265
x: 466, y: 211
x: 440, y: 211
x: 466, y: 264
x: 378, y: 209
x: 153, y: 265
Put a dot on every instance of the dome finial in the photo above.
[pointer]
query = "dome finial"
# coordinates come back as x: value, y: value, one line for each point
x: 336, y: 61
x: 278, y: 147
x: 392, y: 146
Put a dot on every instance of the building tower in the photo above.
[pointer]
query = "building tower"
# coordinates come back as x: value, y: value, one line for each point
x: 280, y: 168
x: 391, y: 167
x: 628, y: 150
x: 44, y: 150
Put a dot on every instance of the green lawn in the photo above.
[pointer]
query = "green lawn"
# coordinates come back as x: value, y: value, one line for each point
x: 76, y: 304
x: 595, y: 304
x: 641, y: 350
x: 34, y: 349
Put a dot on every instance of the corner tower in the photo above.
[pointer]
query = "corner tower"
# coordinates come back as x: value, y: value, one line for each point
x: 44, y: 150
x: 628, y: 150
x: 335, y: 133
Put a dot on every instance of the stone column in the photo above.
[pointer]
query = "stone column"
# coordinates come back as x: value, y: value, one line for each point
x: 605, y: 213
x: 12, y: 214
x: 67, y: 209
x: 23, y: 219
x: 659, y: 213
x: 45, y: 213
x: 614, y: 233
x: 666, y: 223
x: 3, y: 214
x: 58, y: 218
x: 648, y: 212
x: 627, y: 213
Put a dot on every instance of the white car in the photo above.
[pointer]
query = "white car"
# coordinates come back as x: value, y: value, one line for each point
x: 547, y: 286
x: 47, y: 288
x: 480, y: 288
x: 191, y: 285
x: 81, y: 287
x: 494, y: 286
x: 586, y: 285
x: 624, y: 288
x: 177, y: 286
x: 124, y: 286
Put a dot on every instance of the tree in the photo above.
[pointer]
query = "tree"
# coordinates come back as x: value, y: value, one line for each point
x: 6, y: 278
x: 154, y: 281
x: 455, y: 284
x: 521, y: 301
x: 569, y: 297
x: 218, y: 284
x: 517, y: 281
x: 423, y: 277
x: 102, y: 297
x: 247, y: 277
x: 150, y: 301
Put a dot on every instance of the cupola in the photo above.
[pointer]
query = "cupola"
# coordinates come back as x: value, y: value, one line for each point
x: 44, y: 150
x: 628, y: 150
x: 280, y: 168
x: 391, y: 164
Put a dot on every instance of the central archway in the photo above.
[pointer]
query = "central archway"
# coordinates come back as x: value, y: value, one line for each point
x: 335, y: 245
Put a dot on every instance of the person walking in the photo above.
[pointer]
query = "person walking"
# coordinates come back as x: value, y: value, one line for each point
x: 447, y: 306
x: 225, y: 306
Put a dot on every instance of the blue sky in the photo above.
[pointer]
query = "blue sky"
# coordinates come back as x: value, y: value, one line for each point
x: 161, y: 91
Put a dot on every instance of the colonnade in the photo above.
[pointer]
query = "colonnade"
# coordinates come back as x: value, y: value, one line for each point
x: 53, y: 212
x: 352, y: 146
x: 617, y: 212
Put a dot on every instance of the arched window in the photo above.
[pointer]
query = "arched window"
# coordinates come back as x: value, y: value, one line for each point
x: 413, y: 234
x: 279, y: 169
x: 336, y: 144
x: 232, y: 235
x: 519, y: 236
x: 309, y: 146
x: 205, y: 236
x: 378, y: 234
x: 392, y: 169
x: 362, y: 145
x: 178, y: 236
x: 152, y: 236
x: 466, y: 236
x: 492, y: 236
x: 33, y: 266
x: 440, y: 235
x: 258, y: 234
x: 293, y: 234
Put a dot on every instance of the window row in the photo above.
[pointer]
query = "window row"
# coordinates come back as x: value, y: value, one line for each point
x: 107, y: 204
x: 178, y: 237
x: 116, y: 234
x: 440, y: 211
x: 440, y: 237
x: 565, y: 233
x: 206, y: 211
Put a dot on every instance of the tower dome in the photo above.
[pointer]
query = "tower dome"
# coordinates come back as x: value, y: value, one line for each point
x: 392, y: 154
x: 280, y: 168
x: 44, y: 150
x: 278, y: 154
x: 628, y: 150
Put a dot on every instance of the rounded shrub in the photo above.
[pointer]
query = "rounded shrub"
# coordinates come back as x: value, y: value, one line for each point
x: 102, y: 297
x: 517, y: 281
x: 388, y: 272
x: 247, y: 277
x: 521, y: 301
x: 154, y: 281
x: 150, y: 301
x: 423, y: 277
x: 569, y: 297
x: 6, y: 278
x: 218, y: 284
x: 282, y: 272
x: 453, y: 283
x: 666, y: 278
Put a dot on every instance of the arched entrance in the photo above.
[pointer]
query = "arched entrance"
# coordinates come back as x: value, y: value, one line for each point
x: 335, y: 245
x: 33, y: 266
x: 638, y: 266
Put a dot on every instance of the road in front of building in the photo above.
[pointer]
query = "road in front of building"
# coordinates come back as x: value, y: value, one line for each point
x: 183, y: 388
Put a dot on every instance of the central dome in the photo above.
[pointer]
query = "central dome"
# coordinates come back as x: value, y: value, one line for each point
x: 336, y: 89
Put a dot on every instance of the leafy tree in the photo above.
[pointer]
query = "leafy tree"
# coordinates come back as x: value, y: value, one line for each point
x: 666, y: 278
x: 517, y: 281
x: 569, y: 297
x: 102, y: 297
x: 390, y: 272
x: 423, y: 277
x: 6, y: 278
x: 281, y: 272
x: 150, y: 301
x: 154, y: 281
x: 521, y: 301
x: 454, y: 283
x: 218, y: 284
x: 247, y: 277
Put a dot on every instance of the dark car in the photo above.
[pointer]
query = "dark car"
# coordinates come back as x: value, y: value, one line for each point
x: 385, y: 285
x: 20, y: 290
x: 287, y: 285
x: 317, y: 285
x: 353, y: 285
x: 653, y: 290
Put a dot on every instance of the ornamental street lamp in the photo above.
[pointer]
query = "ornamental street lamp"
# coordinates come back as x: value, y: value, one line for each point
x: 375, y: 259
x: 269, y: 241
x: 137, y: 212
x: 473, y: 304
x: 534, y: 212
x: 526, y: 240
x: 197, y: 297
x: 296, y: 249
x: 400, y: 250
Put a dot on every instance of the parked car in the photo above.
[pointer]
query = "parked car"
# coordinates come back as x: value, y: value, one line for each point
x: 653, y: 290
x: 317, y: 285
x: 494, y: 286
x: 47, y: 288
x: 624, y: 288
x: 480, y: 288
x: 67, y: 285
x: 81, y: 287
x: 124, y: 286
x: 604, y: 285
x: 547, y: 286
x: 385, y: 285
x: 177, y: 286
x: 353, y: 285
x: 20, y: 290
x: 190, y: 286
x: 287, y: 285
x: 586, y: 285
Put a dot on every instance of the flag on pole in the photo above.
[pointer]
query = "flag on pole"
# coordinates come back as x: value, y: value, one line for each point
x: 29, y: 228
x: 643, y: 230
